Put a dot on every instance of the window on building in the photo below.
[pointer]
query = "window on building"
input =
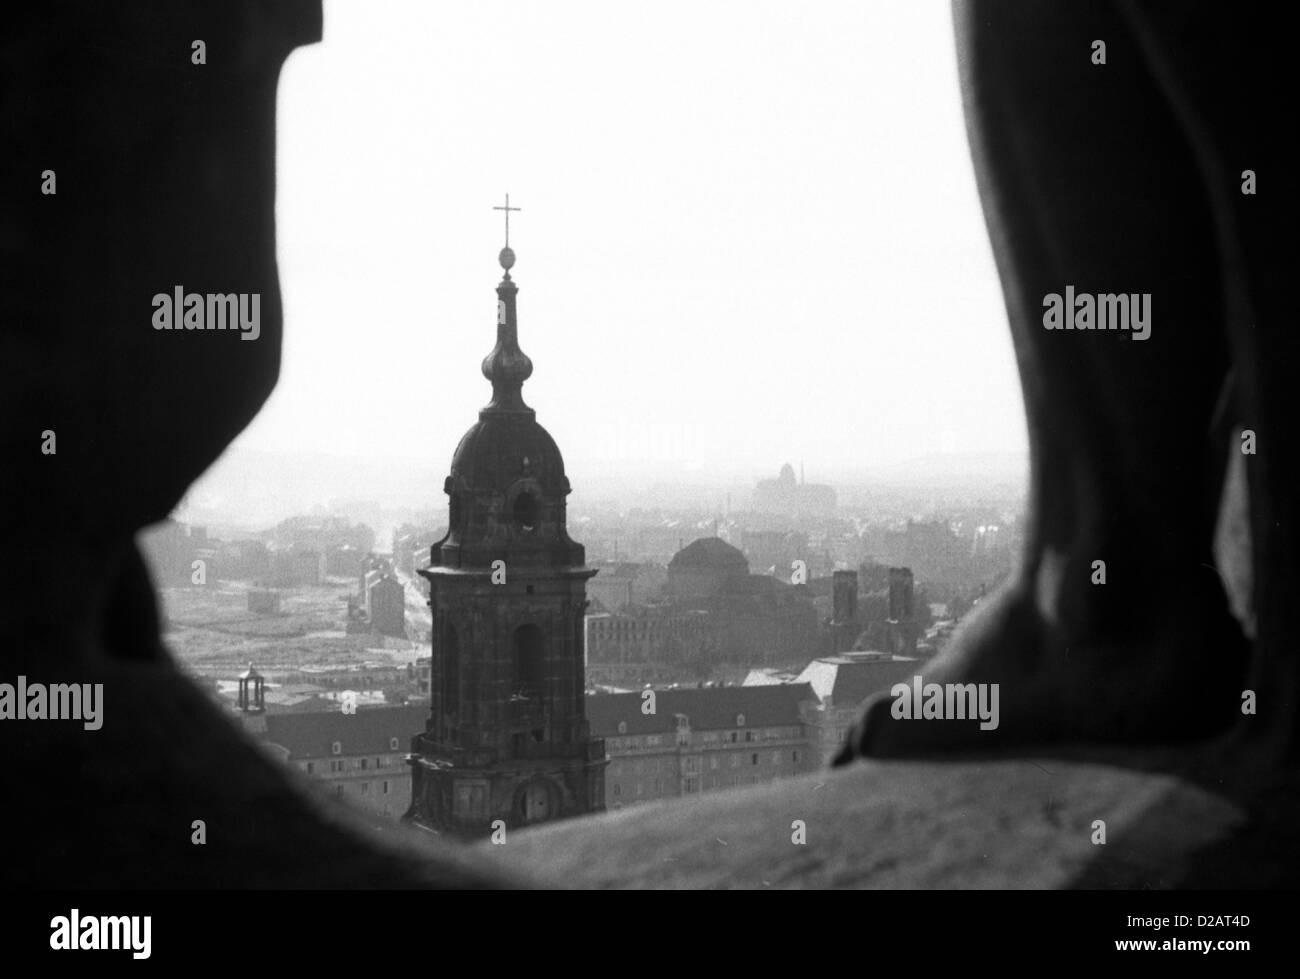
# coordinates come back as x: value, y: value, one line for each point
x: 735, y: 760
x: 365, y: 763
x: 749, y: 735
x: 713, y: 763
x: 311, y: 768
x: 337, y: 748
x: 734, y: 736
x: 450, y: 674
x: 365, y: 788
x: 692, y: 785
x: 618, y: 790
x: 338, y: 790
x: 795, y: 757
x: 529, y: 655
x: 753, y: 759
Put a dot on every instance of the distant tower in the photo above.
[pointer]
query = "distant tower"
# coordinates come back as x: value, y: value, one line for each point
x: 900, y: 594
x: 252, y: 697
x: 902, y: 621
x: 252, y: 700
x: 507, y: 738
x: 844, y: 610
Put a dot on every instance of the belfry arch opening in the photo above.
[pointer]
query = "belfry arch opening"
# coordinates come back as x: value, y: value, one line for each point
x: 526, y: 511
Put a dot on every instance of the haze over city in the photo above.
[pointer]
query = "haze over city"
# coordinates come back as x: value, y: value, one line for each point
x: 721, y: 268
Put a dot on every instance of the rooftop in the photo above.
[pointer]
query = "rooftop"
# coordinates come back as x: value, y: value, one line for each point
x: 369, y: 731
x: 850, y: 678
x: 710, y: 708
x: 710, y: 552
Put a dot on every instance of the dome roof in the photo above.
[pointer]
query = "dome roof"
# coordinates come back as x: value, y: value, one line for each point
x: 504, y: 447
x: 507, y: 486
x: 711, y: 553
x: 507, y: 444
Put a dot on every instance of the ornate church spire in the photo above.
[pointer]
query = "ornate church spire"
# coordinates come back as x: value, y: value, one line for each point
x: 507, y: 367
x: 507, y: 740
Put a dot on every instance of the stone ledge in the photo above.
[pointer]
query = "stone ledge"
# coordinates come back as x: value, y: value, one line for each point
x: 1011, y: 823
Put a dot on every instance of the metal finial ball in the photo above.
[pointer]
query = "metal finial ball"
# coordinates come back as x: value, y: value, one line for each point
x: 507, y: 258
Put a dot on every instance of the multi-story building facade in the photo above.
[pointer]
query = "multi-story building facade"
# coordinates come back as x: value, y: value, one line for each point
x: 643, y: 636
x: 680, y: 742
x: 702, y: 740
x: 361, y: 756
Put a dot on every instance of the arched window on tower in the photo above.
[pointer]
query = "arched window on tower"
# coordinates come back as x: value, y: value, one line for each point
x: 529, y: 657
x: 450, y: 671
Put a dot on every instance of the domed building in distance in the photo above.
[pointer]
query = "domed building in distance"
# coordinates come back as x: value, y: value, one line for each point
x: 751, y: 618
x: 507, y: 742
x: 705, y: 569
x: 790, y: 497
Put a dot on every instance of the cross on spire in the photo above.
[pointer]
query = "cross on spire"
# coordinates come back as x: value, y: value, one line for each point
x: 507, y: 209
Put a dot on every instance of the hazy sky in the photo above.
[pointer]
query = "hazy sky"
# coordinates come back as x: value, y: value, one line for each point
x: 750, y: 233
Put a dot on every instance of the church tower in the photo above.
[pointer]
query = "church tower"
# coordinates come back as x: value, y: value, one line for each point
x: 507, y: 738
